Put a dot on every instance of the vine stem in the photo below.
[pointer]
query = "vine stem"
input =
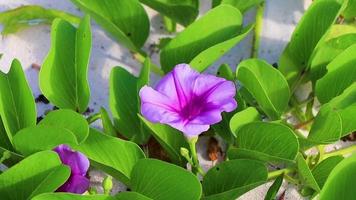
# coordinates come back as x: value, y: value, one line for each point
x: 154, y: 68
x: 92, y: 118
x: 274, y: 174
x: 196, y: 168
x: 341, y: 152
x: 258, y: 30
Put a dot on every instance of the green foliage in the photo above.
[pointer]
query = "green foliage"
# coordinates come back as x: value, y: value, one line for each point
x: 273, y: 190
x: 242, y: 5
x: 204, y: 41
x: 273, y: 96
x: 305, y: 174
x: 170, y: 139
x: 69, y: 196
x: 112, y: 155
x: 241, y: 118
x: 265, y: 141
x: 231, y: 179
x: 181, y: 11
x: 129, y: 26
x: 39, y: 173
x: 64, y: 74
x: 310, y: 30
x: 17, y: 105
x: 26, y: 16
x: 323, y: 169
x: 125, y: 105
x: 160, y: 180
x: 341, y: 181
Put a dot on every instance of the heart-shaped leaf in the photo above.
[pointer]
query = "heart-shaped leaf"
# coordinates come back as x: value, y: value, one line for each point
x: 327, y: 126
x: 326, y: 52
x: 241, y: 118
x: 231, y: 179
x: 160, y: 181
x: 242, y: 5
x: 170, y: 139
x: 131, y: 196
x: 341, y: 181
x: 340, y: 75
x: 125, y: 20
x: 63, y: 77
x: 17, y: 105
x: 69, y: 120
x: 39, y: 138
x: 266, y: 84
x: 39, y: 173
x: 311, y: 28
x: 305, y: 174
x: 183, y: 12
x: 124, y: 103
x: 69, y: 196
x: 265, y: 141
x: 112, y: 155
x: 323, y: 169
x: 219, y: 25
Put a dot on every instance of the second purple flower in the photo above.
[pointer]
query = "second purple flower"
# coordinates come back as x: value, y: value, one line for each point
x: 187, y: 100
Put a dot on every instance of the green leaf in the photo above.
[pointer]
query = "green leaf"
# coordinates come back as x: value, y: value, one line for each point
x: 225, y: 72
x: 4, y: 139
x: 129, y: 26
x: 341, y: 74
x: 326, y: 52
x: 181, y: 11
x: 27, y: 16
x: 124, y: 104
x: 242, y: 5
x: 350, y: 9
x: 305, y: 174
x: 341, y: 181
x: 108, y: 127
x: 38, y: 138
x: 17, y: 105
x: 160, y: 181
x: 219, y: 25
x: 273, y: 190
x: 170, y: 139
x: 323, y: 169
x: 345, y: 105
x: 231, y: 179
x: 38, y: 173
x: 131, y: 196
x: 327, y: 126
x: 69, y: 196
x: 112, y: 155
x: 69, y: 120
x: 266, y: 84
x: 207, y: 57
x: 12, y: 160
x: 316, y: 21
x: 64, y: 74
x: 241, y: 118
x: 265, y: 141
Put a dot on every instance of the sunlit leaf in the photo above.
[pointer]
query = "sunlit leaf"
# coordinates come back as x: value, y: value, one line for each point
x: 63, y: 77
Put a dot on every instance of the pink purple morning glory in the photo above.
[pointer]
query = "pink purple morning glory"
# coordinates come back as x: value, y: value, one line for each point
x: 187, y: 100
x: 79, y: 165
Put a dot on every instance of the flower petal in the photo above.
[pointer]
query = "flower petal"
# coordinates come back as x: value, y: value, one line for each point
x: 178, y: 84
x: 157, y: 107
x: 189, y: 129
x: 216, y: 91
x: 75, y: 184
x: 78, y: 162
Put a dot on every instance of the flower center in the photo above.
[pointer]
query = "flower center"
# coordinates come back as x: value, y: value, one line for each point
x: 192, y: 108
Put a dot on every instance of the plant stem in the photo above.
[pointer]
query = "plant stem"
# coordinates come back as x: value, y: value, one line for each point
x: 154, y: 68
x: 341, y: 152
x: 92, y: 118
x: 196, y: 168
x: 258, y: 30
x: 275, y: 174
x: 169, y: 24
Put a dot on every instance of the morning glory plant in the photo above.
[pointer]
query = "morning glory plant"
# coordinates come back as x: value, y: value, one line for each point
x: 259, y: 129
x: 79, y: 165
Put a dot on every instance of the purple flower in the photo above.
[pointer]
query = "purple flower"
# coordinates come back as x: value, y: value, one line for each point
x: 79, y: 164
x: 187, y: 100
